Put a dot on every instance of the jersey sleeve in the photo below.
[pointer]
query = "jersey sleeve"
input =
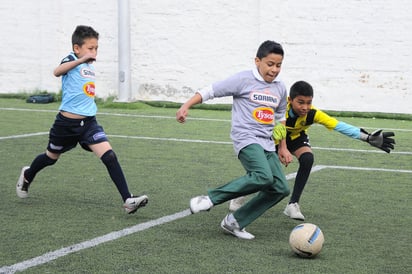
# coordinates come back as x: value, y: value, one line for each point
x: 227, y: 87
x: 348, y: 130
x: 333, y: 124
x: 325, y: 120
x: 206, y: 93
x: 280, y: 114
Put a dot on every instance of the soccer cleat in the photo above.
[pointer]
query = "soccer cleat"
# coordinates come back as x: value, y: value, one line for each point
x: 22, y: 186
x: 230, y: 225
x: 200, y: 203
x: 132, y: 204
x: 293, y: 211
x: 236, y: 203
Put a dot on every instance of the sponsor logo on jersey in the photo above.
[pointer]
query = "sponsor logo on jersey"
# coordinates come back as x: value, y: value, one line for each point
x: 88, y: 89
x: 87, y: 73
x: 264, y: 98
x: 264, y: 115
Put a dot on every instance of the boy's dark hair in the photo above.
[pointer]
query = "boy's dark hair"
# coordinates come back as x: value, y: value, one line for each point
x: 269, y: 47
x: 300, y: 88
x: 82, y: 32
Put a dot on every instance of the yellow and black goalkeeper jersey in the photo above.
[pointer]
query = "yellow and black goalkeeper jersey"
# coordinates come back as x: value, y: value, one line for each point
x: 295, y: 124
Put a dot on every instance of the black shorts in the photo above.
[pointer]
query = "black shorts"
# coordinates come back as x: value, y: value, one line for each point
x: 66, y: 133
x: 301, y: 141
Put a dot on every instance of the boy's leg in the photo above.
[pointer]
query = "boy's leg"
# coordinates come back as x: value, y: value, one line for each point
x: 266, y: 198
x: 103, y: 150
x: 258, y: 176
x: 28, y: 173
x: 301, y: 149
x: 40, y: 162
x: 94, y: 139
x: 305, y: 166
x: 112, y: 164
x: 131, y: 203
x: 306, y: 159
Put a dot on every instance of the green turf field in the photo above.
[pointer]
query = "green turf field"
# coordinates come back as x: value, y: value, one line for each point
x: 73, y: 222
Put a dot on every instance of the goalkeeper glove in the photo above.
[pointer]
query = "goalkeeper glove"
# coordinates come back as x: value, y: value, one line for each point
x: 378, y: 139
x: 279, y: 132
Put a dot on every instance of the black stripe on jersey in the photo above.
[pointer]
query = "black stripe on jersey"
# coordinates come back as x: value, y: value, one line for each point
x: 291, y: 122
x: 68, y: 58
x: 310, y: 117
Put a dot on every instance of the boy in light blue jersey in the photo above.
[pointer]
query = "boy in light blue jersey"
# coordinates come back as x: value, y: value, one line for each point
x: 76, y: 122
x: 259, y: 99
x: 300, y: 115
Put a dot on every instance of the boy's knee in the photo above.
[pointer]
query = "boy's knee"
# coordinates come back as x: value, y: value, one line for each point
x: 109, y: 158
x: 306, y: 160
x: 283, y: 190
x: 49, y: 161
x: 264, y: 178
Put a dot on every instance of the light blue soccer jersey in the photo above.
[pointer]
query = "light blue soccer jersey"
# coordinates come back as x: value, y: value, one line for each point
x: 78, y: 89
x: 257, y: 105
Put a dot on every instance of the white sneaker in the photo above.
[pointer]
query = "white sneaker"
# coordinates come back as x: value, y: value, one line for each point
x: 236, y: 203
x: 230, y: 225
x: 293, y: 211
x: 22, y: 186
x: 200, y: 203
x: 132, y: 204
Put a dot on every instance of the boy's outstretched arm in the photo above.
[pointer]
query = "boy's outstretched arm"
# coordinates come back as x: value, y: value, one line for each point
x: 377, y: 138
x: 184, y: 109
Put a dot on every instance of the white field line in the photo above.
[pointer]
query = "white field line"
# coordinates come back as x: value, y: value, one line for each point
x: 53, y: 255
x: 120, y: 115
x: 50, y: 256
x: 366, y: 168
x: 202, y: 141
x: 165, y: 117
x: 23, y: 135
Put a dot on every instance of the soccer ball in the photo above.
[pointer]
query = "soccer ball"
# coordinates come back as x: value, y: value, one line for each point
x: 306, y: 240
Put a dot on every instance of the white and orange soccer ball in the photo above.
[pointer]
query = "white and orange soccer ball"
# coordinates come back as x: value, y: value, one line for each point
x: 306, y: 240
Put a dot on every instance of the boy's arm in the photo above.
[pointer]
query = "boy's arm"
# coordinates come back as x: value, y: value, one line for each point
x: 279, y: 135
x: 284, y: 154
x: 64, y: 67
x: 184, y: 109
x: 377, y: 138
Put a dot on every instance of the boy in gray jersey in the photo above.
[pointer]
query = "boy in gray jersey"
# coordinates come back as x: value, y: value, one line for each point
x: 259, y: 101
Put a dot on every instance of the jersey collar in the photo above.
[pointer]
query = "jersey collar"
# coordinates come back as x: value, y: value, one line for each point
x: 260, y: 78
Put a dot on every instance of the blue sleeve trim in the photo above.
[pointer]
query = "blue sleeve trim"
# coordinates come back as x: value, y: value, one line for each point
x: 348, y: 130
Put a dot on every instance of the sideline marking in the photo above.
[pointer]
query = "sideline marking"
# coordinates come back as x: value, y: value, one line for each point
x: 123, y: 115
x: 169, y: 117
x: 50, y: 256
x: 23, y: 135
x: 366, y: 168
x: 203, y: 141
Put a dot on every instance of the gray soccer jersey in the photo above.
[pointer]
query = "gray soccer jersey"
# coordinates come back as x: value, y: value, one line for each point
x: 257, y: 106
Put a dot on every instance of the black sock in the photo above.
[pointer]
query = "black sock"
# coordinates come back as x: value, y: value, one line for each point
x: 116, y: 173
x: 40, y: 162
x: 305, y: 166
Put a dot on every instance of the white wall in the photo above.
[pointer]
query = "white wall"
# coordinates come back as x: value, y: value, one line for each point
x: 356, y: 53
